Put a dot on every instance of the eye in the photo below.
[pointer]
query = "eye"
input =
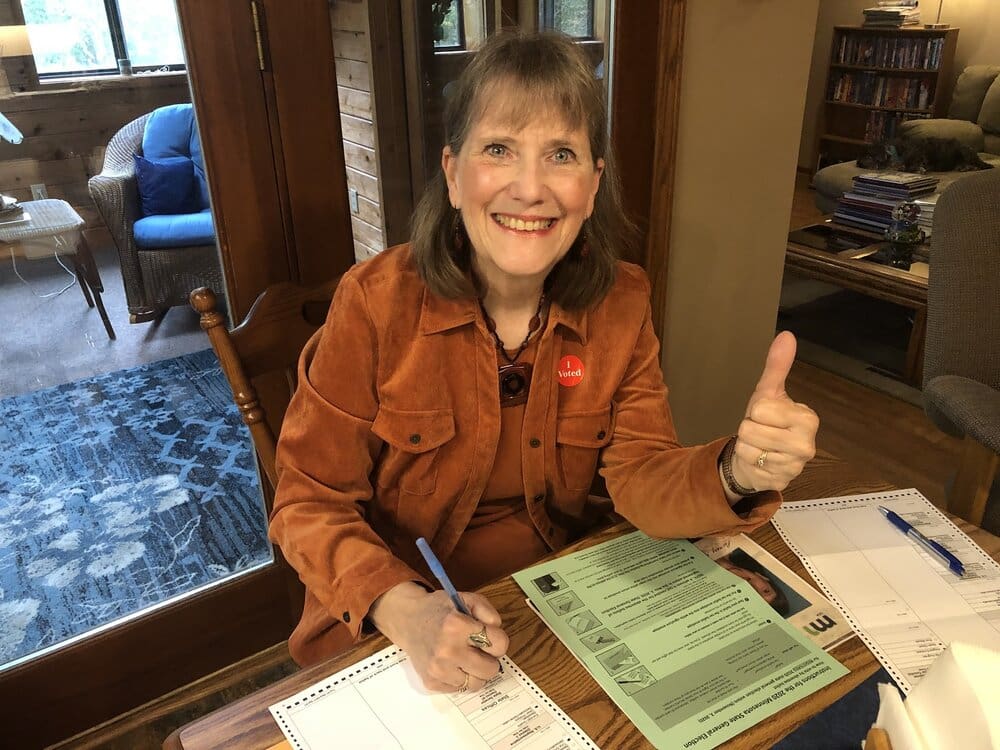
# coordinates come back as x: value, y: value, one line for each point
x: 496, y: 149
x: 564, y: 156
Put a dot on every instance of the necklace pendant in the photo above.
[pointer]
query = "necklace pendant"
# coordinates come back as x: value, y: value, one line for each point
x: 515, y: 381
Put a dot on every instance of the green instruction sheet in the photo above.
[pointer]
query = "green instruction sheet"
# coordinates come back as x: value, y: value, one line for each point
x: 689, y: 651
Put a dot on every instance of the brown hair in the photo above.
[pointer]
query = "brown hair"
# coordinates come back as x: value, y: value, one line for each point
x: 543, y: 67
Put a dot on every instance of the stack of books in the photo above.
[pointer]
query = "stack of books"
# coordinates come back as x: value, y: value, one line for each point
x: 893, y: 14
x: 876, y: 194
x: 905, y: 185
x: 926, y: 218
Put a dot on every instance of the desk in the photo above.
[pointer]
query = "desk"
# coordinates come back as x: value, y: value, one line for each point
x: 54, y: 227
x: 851, y: 269
x: 247, y: 724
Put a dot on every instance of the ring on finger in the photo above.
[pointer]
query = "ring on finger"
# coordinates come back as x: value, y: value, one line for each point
x: 480, y: 639
x: 465, y: 685
x: 761, y: 459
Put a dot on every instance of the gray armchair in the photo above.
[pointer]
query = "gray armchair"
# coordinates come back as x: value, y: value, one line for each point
x: 962, y: 347
x: 157, y: 274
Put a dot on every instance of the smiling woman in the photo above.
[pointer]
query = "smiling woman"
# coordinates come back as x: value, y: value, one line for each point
x: 451, y: 430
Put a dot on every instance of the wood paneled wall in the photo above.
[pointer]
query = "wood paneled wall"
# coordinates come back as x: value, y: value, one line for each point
x: 66, y: 131
x: 352, y: 56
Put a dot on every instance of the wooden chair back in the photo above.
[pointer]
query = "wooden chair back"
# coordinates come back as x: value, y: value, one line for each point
x: 263, y: 347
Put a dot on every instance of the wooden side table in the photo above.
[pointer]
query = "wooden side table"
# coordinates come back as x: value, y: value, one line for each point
x: 54, y: 227
x: 852, y: 267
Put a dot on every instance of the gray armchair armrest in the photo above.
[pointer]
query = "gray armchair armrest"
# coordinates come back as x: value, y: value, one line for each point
x: 971, y: 406
x: 965, y: 132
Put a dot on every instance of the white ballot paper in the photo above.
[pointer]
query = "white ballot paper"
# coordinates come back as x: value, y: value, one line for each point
x: 380, y: 704
x: 903, y: 602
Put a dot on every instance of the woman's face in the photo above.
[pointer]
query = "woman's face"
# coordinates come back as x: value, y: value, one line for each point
x: 760, y: 584
x: 523, y: 193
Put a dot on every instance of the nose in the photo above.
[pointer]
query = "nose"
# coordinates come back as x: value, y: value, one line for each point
x: 528, y: 185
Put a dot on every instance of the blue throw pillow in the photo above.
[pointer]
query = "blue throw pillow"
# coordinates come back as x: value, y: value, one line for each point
x: 166, y: 186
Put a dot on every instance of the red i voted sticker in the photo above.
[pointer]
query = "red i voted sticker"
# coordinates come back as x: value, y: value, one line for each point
x: 570, y: 370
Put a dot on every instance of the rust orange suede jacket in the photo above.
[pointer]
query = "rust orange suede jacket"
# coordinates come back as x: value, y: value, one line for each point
x: 393, y: 430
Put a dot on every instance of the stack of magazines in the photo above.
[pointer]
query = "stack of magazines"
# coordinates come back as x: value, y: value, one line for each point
x: 926, y: 218
x: 870, y: 204
x: 893, y: 14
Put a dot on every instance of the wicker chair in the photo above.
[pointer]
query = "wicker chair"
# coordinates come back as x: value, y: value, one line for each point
x: 962, y: 348
x: 155, y: 279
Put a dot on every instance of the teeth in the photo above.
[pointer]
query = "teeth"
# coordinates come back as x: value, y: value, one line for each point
x: 521, y: 225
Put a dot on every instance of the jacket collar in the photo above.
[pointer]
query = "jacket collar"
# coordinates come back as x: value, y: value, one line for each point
x: 438, y: 314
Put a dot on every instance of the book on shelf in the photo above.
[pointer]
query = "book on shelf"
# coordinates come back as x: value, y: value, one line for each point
x: 889, y: 52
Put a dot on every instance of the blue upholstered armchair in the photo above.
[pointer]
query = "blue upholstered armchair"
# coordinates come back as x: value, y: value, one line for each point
x: 153, y: 197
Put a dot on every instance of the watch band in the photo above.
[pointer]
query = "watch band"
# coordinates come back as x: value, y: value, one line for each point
x: 726, y: 464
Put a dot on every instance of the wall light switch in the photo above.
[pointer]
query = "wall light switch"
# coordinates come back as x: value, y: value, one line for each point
x: 38, y: 192
x: 352, y: 196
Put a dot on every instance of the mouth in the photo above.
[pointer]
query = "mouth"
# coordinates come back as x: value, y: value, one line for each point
x: 522, y: 225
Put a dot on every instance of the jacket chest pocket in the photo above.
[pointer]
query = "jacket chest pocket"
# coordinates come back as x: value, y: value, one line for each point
x: 579, y: 439
x: 413, y: 440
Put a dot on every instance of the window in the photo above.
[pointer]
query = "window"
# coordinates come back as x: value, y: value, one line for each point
x: 448, y: 24
x: 572, y: 17
x: 75, y: 37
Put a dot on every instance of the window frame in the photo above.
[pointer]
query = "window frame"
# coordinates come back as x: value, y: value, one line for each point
x: 459, y: 24
x: 119, y: 47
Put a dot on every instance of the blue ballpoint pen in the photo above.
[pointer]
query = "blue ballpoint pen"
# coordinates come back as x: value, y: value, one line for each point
x: 953, y: 563
x: 438, y: 570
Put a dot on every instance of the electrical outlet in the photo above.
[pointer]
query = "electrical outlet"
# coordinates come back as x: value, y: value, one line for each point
x: 38, y: 192
x: 352, y: 197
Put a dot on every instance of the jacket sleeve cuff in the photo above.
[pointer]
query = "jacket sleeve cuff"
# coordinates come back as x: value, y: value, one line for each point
x: 355, y: 606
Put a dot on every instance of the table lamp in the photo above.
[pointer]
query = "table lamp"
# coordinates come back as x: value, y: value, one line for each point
x: 937, y: 24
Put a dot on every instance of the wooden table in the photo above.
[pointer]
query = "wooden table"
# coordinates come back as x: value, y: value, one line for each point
x: 248, y: 725
x: 850, y: 269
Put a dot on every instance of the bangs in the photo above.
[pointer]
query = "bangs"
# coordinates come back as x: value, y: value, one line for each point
x: 514, y: 103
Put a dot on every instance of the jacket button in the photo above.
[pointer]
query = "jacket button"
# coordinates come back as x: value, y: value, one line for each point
x: 346, y: 617
x: 415, y: 438
x: 534, y: 442
x: 539, y: 498
x: 601, y: 434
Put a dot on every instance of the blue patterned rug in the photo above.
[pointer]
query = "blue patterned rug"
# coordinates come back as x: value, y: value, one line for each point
x: 119, y: 492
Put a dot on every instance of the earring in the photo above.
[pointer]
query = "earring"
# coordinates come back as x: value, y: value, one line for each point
x: 584, y: 245
x: 458, y: 236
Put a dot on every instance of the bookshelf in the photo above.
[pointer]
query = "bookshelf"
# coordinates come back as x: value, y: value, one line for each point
x: 879, y: 77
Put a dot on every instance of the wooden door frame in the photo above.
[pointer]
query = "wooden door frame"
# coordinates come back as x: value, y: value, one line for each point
x: 648, y: 33
x: 279, y: 197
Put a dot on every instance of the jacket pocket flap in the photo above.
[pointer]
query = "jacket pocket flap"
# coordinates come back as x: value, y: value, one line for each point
x: 414, y: 431
x: 586, y: 429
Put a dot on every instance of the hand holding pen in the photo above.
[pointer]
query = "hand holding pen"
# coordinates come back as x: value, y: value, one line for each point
x: 436, y: 631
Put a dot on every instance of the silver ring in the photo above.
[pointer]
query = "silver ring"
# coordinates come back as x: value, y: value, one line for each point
x: 761, y: 459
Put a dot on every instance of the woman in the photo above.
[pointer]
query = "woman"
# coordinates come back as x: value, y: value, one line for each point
x: 466, y: 386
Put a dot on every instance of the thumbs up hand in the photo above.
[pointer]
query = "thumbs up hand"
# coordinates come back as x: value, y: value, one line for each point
x: 777, y: 436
